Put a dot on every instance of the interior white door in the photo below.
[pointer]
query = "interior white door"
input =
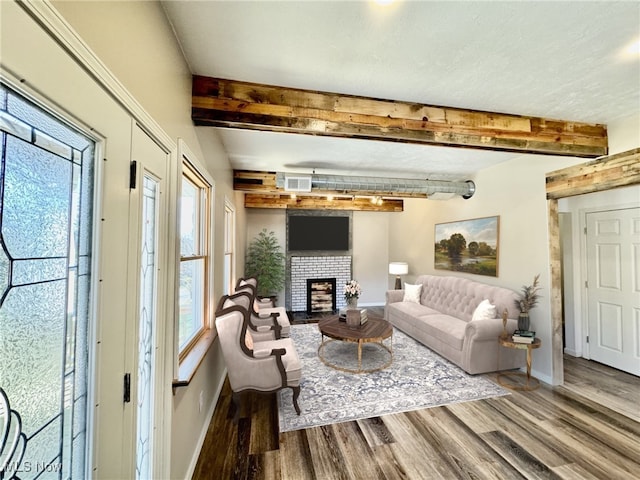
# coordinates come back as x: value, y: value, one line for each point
x: 613, y: 288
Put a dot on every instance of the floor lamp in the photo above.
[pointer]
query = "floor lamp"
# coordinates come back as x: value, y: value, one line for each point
x: 397, y: 269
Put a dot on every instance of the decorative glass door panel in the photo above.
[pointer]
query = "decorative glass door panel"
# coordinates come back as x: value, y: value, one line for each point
x: 46, y: 206
x: 148, y: 299
x: 148, y: 218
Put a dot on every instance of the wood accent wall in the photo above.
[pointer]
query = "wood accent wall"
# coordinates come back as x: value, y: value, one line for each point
x: 234, y: 104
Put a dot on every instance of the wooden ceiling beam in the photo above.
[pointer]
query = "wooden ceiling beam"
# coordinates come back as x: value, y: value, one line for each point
x: 314, y: 202
x: 233, y: 104
x: 620, y: 170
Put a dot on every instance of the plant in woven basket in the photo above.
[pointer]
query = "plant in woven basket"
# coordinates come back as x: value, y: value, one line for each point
x: 265, y: 262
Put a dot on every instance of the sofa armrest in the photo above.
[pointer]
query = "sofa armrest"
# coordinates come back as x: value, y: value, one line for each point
x: 393, y: 296
x: 488, y: 329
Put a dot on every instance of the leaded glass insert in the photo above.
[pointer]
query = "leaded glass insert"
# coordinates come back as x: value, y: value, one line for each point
x: 148, y: 296
x: 46, y: 205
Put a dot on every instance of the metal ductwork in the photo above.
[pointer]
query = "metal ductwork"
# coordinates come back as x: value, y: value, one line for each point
x: 436, y: 189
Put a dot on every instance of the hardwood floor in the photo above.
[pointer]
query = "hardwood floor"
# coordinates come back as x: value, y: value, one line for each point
x: 583, y: 430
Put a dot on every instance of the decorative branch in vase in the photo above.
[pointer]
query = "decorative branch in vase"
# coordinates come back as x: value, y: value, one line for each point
x: 529, y: 300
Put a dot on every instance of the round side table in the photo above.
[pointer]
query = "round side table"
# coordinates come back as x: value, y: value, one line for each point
x: 510, y: 379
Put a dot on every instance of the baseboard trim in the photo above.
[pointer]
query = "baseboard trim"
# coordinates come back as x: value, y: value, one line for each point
x: 572, y: 352
x: 205, y: 428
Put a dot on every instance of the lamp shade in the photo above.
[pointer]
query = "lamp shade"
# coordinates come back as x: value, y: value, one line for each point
x: 398, y: 268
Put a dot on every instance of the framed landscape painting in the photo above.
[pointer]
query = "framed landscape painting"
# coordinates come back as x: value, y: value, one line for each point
x: 469, y: 246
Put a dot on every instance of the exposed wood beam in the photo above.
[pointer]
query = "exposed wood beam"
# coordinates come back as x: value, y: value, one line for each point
x: 309, y: 202
x: 234, y: 104
x: 614, y: 171
x: 256, y: 182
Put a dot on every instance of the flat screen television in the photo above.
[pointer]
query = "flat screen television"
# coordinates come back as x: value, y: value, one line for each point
x: 315, y: 232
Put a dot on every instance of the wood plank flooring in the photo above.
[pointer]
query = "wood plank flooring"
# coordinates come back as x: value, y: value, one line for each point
x: 587, y: 429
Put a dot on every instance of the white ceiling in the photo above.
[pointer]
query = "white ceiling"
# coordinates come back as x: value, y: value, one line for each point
x: 562, y: 60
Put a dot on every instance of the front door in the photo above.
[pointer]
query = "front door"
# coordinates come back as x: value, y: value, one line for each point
x: 613, y: 288
x: 47, y: 179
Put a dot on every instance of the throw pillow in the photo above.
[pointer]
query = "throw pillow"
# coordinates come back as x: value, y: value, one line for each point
x: 412, y: 293
x: 484, y: 311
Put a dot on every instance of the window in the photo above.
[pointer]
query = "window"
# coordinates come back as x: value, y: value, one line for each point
x: 229, y: 246
x: 195, y: 212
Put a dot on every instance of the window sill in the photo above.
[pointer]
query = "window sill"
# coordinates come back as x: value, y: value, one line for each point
x: 189, y: 364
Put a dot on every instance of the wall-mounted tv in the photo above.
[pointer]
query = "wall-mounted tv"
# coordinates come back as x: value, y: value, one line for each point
x: 317, y: 232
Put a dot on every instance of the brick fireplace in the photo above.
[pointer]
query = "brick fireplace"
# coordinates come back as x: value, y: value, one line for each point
x: 301, y: 269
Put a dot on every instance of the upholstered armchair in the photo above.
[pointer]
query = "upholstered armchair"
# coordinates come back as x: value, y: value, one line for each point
x: 263, y: 315
x: 262, y: 329
x: 264, y: 367
x: 259, y: 302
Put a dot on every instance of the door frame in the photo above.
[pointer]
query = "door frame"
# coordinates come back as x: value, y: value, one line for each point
x: 602, y: 174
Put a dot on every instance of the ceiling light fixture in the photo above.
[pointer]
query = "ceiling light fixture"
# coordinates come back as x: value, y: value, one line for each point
x: 634, y: 48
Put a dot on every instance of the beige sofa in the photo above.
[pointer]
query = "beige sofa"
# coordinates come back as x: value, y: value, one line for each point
x: 442, y: 320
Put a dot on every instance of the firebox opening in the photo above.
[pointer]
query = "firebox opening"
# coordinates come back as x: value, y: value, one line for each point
x: 321, y: 295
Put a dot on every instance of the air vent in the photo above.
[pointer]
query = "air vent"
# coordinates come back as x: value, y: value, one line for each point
x: 297, y: 184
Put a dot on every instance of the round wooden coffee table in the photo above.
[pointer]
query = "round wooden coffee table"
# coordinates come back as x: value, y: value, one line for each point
x: 375, y: 331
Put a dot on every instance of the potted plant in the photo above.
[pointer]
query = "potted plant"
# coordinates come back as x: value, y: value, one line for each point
x: 529, y: 299
x: 265, y: 262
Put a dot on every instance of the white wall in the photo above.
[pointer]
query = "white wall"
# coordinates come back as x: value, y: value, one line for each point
x: 624, y: 134
x: 569, y: 258
x: 370, y: 256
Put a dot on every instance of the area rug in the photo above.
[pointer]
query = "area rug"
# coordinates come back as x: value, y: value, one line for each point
x: 418, y: 378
